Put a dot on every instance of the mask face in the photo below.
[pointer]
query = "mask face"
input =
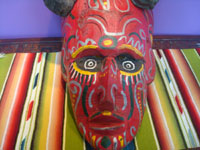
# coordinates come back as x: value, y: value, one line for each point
x: 107, y: 64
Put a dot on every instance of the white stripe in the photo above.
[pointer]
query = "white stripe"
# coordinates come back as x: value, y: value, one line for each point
x: 172, y: 89
x: 94, y: 79
x: 65, y: 122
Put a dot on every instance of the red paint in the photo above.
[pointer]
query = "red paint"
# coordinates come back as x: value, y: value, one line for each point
x: 40, y: 57
x: 198, y: 51
x: 178, y: 104
x: 30, y: 107
x: 158, y: 52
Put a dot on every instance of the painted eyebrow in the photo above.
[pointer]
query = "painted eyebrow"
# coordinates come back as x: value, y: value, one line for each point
x: 82, y: 48
x: 133, y: 49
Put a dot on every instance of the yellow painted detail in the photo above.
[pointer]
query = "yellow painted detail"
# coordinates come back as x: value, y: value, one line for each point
x: 151, y: 36
x: 124, y: 46
x: 121, y: 140
x: 82, y: 71
x: 105, y: 3
x: 93, y: 140
x: 132, y: 74
x: 103, y: 75
x: 82, y: 49
x: 107, y: 42
x: 106, y: 113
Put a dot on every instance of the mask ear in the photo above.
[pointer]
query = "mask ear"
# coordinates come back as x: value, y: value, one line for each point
x: 60, y: 7
x: 150, y: 68
x: 145, y: 4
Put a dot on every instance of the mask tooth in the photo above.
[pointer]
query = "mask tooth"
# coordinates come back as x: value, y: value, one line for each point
x: 115, y: 143
x: 127, y: 80
x: 75, y: 75
x: 95, y: 78
x: 91, y: 79
x: 71, y: 66
x: 131, y: 79
x: 71, y: 74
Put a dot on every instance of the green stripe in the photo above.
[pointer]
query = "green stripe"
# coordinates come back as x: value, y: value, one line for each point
x: 123, y: 82
x: 5, y: 64
x: 84, y: 100
x: 147, y: 128
x: 193, y: 59
x: 82, y: 79
x: 74, y: 140
x: 135, y: 33
x: 98, y: 113
x: 119, y: 117
x: 131, y: 98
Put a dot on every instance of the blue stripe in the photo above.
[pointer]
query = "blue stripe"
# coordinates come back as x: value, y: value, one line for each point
x: 36, y: 79
x: 167, y: 75
x: 23, y: 144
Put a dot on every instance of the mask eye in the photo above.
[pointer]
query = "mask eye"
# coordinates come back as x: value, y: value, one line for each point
x: 128, y: 64
x: 89, y: 63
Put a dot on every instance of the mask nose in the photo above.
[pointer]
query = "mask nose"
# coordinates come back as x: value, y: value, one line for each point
x: 108, y: 85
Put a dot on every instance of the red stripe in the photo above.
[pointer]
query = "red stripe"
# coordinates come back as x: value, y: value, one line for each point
x: 40, y: 57
x: 183, y: 89
x: 198, y: 50
x: 158, y: 52
x: 179, y: 105
x: 19, y: 99
x: 30, y: 107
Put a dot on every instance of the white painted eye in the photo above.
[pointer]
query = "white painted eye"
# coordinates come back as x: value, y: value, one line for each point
x: 90, y: 64
x: 128, y: 65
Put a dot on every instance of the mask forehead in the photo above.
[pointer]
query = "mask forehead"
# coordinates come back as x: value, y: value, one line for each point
x: 108, y: 25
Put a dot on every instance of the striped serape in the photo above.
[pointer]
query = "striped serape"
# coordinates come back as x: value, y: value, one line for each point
x: 35, y: 111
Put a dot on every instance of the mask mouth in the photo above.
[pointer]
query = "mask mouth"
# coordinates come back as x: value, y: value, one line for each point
x: 108, y: 125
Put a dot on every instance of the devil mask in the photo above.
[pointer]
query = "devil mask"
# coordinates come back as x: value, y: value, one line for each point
x: 107, y: 62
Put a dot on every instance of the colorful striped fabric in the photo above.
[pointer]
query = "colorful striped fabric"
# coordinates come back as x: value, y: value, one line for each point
x: 35, y: 111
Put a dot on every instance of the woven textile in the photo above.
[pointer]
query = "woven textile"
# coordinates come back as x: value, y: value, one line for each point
x: 35, y: 111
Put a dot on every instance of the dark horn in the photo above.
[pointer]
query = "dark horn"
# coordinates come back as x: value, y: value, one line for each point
x: 60, y: 7
x: 145, y: 4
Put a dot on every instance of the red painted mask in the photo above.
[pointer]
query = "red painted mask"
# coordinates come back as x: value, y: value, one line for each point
x: 107, y: 64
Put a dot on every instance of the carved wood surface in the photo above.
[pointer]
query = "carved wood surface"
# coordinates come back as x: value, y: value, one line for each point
x: 54, y: 44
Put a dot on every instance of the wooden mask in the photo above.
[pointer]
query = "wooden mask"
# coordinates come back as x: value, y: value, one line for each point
x: 107, y: 62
